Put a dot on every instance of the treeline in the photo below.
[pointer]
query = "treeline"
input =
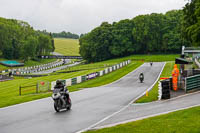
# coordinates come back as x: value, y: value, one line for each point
x: 62, y: 34
x: 144, y: 34
x: 191, y: 23
x: 18, y: 40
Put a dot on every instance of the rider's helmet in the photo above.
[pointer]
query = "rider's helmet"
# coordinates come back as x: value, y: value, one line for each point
x: 59, y: 83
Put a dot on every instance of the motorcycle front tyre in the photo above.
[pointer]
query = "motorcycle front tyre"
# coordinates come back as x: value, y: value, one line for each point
x: 70, y: 104
x: 56, y: 108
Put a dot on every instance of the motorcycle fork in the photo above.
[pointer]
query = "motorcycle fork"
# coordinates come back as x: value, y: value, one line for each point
x: 63, y: 101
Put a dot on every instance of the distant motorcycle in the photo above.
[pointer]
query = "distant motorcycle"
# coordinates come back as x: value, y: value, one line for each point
x: 151, y: 63
x: 61, y: 100
x: 141, y: 77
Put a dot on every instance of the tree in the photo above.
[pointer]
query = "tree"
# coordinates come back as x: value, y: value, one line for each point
x: 172, y: 39
x: 45, y: 45
x: 144, y: 34
x: 29, y: 48
x: 18, y: 39
x: 52, y: 42
x: 64, y: 34
x: 95, y: 45
x: 191, y: 23
x: 122, y: 42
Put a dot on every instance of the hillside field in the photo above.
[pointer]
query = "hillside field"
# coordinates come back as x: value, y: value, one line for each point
x: 68, y: 47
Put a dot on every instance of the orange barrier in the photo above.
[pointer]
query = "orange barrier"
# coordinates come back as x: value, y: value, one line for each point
x: 163, y: 78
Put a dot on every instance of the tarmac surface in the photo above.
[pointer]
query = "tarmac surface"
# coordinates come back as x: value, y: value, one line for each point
x: 57, y: 68
x: 89, y: 106
x: 66, y: 61
x: 141, y: 111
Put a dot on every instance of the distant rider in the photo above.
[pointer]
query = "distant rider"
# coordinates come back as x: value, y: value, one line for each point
x: 151, y: 63
x: 141, y: 77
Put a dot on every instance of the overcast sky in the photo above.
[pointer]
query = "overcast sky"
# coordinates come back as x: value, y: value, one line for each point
x: 81, y: 16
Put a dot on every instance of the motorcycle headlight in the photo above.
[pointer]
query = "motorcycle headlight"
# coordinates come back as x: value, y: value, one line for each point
x: 56, y: 95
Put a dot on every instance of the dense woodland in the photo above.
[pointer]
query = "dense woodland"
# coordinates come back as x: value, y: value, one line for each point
x: 145, y: 34
x: 62, y: 34
x: 18, y: 40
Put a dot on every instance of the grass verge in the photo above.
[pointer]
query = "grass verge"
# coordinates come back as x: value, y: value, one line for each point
x: 184, y: 121
x: 109, y: 78
x: 153, y: 94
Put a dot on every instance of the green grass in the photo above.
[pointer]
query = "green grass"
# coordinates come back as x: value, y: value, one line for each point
x: 109, y: 78
x: 40, y: 62
x: 10, y: 89
x: 68, y: 47
x: 154, y: 58
x: 184, y: 121
x: 153, y: 94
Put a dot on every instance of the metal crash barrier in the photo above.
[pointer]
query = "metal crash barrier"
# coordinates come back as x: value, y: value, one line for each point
x: 192, y: 82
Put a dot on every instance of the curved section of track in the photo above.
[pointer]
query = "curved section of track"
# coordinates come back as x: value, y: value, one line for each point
x: 141, y: 111
x: 89, y: 106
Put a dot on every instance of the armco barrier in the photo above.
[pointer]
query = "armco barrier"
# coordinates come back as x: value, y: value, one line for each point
x: 192, y: 82
x: 79, y: 79
x: 114, y: 67
x: 117, y: 66
x: 101, y: 73
x: 98, y: 74
x: 106, y: 70
x: 74, y: 81
x: 68, y: 82
x: 83, y: 78
x: 33, y: 68
x: 110, y: 69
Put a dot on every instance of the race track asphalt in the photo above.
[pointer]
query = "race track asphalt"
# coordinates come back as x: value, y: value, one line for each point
x: 89, y: 106
x: 141, y: 111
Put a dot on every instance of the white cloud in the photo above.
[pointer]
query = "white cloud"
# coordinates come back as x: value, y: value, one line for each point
x: 80, y: 16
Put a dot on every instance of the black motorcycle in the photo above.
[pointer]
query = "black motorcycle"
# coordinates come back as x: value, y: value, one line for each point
x: 151, y: 63
x: 61, y: 100
x: 141, y: 77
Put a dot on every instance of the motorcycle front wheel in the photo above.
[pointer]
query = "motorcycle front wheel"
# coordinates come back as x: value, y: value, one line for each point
x: 57, y: 109
x: 69, y: 104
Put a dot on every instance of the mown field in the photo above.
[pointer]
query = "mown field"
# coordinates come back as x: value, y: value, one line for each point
x: 184, y: 121
x: 68, y: 47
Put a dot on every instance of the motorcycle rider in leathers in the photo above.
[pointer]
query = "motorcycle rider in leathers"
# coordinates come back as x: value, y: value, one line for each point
x: 63, y: 89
